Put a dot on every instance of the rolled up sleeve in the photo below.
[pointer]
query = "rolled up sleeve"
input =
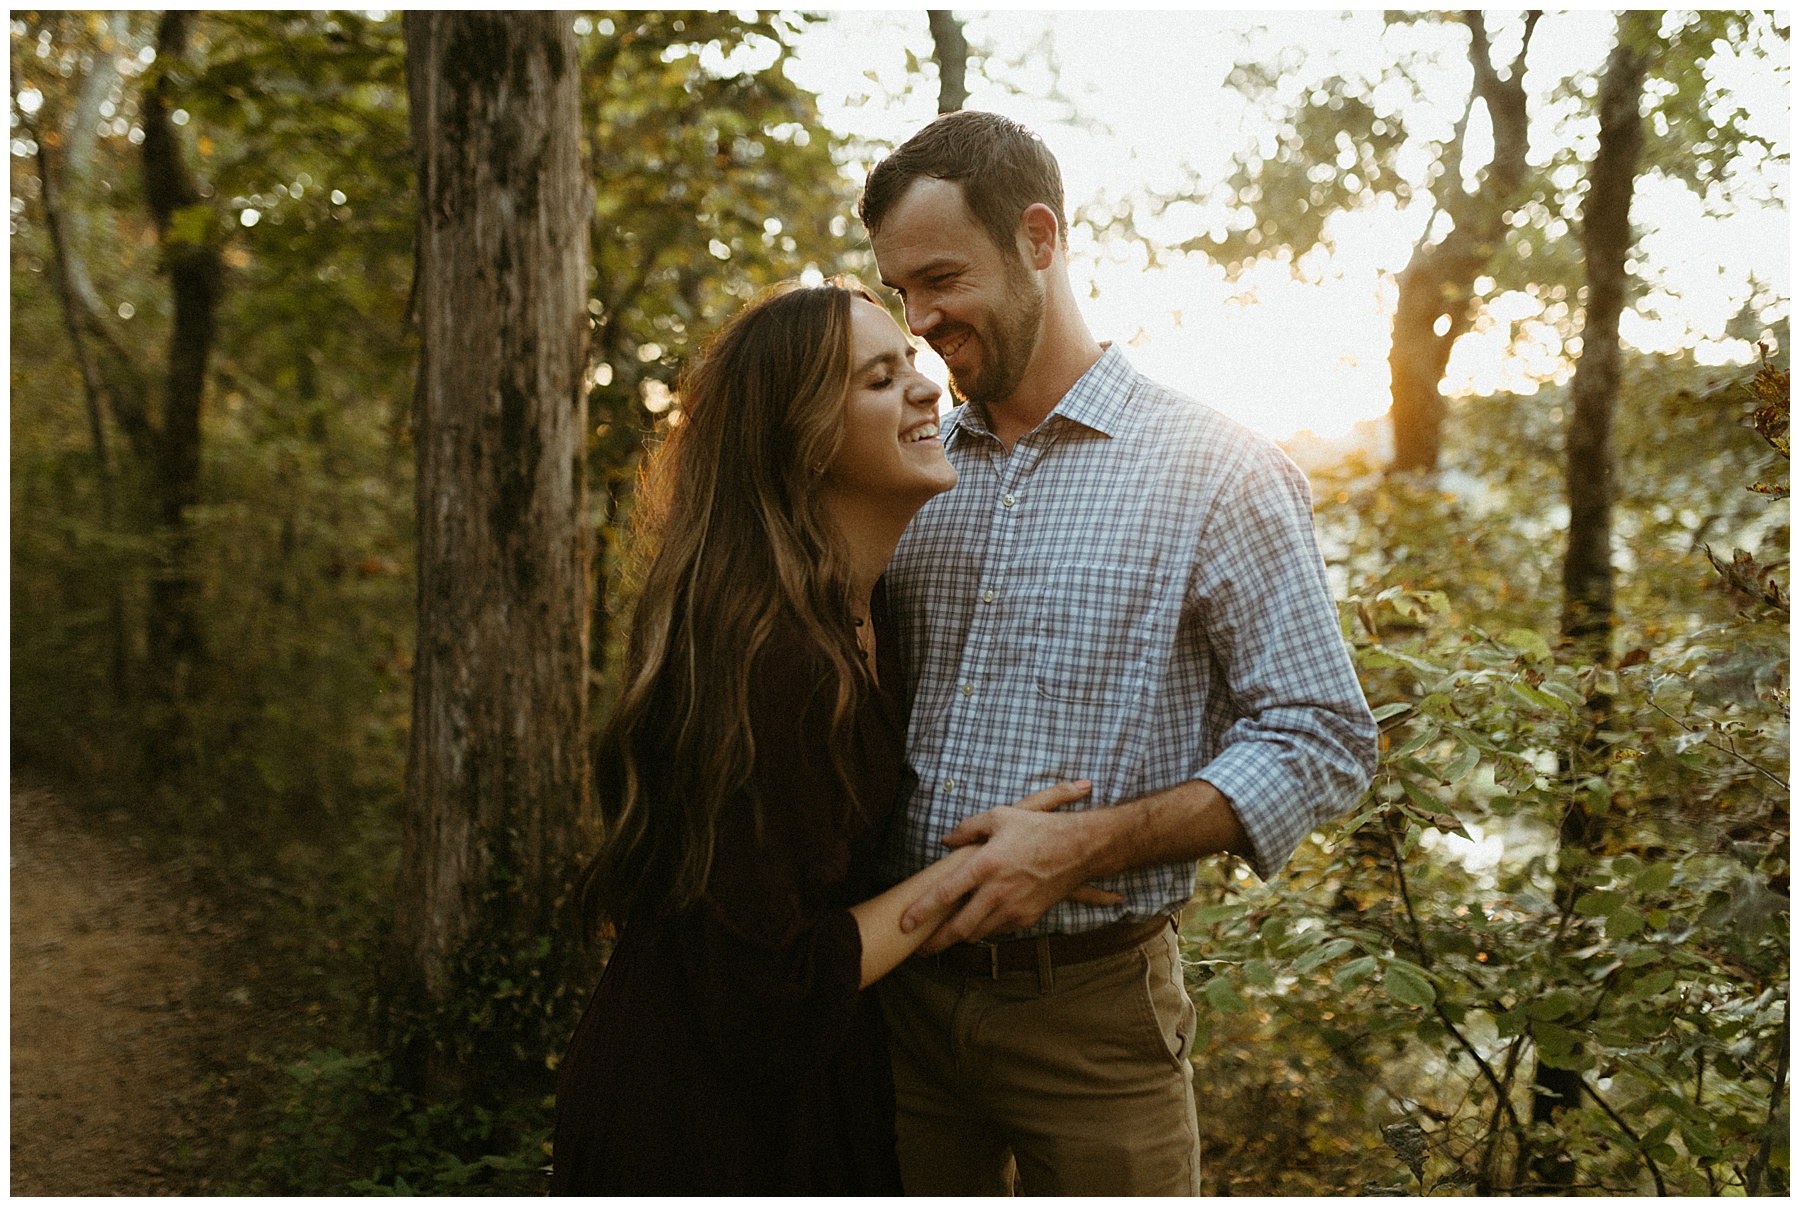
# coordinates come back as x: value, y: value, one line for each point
x: 1303, y: 747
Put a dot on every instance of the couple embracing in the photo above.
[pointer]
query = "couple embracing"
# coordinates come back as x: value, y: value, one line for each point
x: 925, y: 728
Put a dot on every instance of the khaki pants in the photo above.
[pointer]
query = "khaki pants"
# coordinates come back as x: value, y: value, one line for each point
x: 1078, y: 1086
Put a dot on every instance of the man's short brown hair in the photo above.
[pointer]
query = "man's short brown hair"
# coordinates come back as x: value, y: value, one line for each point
x: 1003, y: 168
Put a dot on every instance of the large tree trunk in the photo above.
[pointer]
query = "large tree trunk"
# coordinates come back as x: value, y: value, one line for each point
x: 1587, y: 564
x: 952, y: 54
x: 496, y: 774
x: 1437, y: 286
x: 190, y: 255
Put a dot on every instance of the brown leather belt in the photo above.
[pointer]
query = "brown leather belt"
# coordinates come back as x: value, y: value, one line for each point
x: 993, y: 960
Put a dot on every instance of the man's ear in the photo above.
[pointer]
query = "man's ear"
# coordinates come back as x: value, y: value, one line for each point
x: 1037, y: 228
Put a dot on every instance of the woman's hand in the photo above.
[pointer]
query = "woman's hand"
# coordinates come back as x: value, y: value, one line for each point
x: 925, y: 898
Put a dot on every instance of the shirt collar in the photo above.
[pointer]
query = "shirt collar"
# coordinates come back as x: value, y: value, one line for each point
x: 1097, y: 400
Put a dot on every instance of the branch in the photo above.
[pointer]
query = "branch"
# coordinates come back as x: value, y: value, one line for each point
x: 84, y: 315
x: 68, y: 291
x: 1517, y: 72
x: 1754, y: 1173
x: 1722, y: 749
x: 1480, y: 53
x: 1655, y: 1173
x: 1425, y: 962
x: 1418, y: 934
x: 951, y: 50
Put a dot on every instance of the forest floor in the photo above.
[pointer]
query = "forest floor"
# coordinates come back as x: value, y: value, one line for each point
x: 138, y: 1012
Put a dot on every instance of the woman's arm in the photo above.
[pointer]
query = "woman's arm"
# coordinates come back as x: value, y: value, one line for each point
x: 884, y: 944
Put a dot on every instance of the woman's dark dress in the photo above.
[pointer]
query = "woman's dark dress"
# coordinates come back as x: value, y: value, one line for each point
x: 728, y: 1049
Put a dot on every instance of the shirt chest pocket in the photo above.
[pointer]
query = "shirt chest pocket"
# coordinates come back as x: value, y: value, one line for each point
x: 1093, y: 633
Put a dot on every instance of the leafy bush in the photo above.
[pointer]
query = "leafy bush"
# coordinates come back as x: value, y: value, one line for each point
x: 1559, y: 866
x: 344, y: 1127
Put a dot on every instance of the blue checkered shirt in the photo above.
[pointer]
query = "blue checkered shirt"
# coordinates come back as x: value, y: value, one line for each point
x: 1134, y: 595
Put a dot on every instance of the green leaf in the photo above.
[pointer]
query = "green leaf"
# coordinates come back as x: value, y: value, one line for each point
x: 1536, y: 698
x: 1354, y: 973
x: 1223, y: 996
x: 1391, y: 710
x: 1562, y: 691
x: 1385, y: 657
x: 1551, y: 1039
x: 1657, y: 1134
x: 1553, y: 1005
x: 1466, y: 760
x: 1421, y: 798
x: 1258, y: 973
x: 1324, y: 954
x: 1655, y: 878
x: 1623, y: 922
x: 1214, y: 914
x: 1407, y: 987
x: 1528, y: 642
x: 1599, y: 903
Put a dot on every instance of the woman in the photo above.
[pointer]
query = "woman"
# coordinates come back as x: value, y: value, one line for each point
x: 746, y: 777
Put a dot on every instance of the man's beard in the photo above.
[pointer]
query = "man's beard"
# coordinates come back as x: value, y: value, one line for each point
x: 1007, y: 344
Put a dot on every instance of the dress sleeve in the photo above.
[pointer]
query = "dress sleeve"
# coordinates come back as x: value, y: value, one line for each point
x: 776, y: 966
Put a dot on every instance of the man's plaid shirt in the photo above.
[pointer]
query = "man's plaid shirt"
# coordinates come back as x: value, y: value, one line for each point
x: 1133, y: 596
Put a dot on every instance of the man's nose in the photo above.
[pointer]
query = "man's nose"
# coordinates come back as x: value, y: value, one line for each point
x: 920, y: 317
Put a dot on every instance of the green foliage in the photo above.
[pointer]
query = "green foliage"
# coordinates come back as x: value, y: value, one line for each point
x: 1416, y: 961
x: 1333, y: 152
x: 342, y: 1126
x: 301, y: 541
x: 714, y: 179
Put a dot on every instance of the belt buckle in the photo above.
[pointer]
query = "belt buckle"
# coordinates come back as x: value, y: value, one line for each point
x: 993, y: 950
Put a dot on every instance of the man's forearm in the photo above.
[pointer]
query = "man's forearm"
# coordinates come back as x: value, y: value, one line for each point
x: 1188, y: 822
x: 1029, y: 860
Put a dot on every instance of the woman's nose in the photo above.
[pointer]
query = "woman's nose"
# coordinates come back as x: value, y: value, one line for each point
x: 923, y: 391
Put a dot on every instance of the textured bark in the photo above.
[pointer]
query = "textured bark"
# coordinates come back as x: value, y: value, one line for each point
x: 1593, y: 395
x: 1438, y: 283
x: 496, y: 771
x: 190, y: 256
x: 951, y: 50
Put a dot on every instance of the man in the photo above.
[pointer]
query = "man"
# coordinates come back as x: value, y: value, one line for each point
x: 1123, y: 587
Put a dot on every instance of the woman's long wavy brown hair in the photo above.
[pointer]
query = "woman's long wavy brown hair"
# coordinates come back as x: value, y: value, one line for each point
x: 731, y: 506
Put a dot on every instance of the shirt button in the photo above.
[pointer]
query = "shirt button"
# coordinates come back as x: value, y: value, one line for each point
x: 968, y: 689
x: 1007, y: 500
x: 987, y: 597
x: 949, y: 784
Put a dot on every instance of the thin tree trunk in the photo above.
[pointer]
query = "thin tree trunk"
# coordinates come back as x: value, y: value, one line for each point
x: 952, y: 54
x: 1587, y: 565
x: 93, y: 389
x: 1593, y: 395
x: 1437, y: 286
x: 96, y: 85
x: 190, y: 255
x: 496, y: 774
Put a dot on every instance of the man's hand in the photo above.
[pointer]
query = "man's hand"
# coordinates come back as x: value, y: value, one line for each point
x: 1030, y: 859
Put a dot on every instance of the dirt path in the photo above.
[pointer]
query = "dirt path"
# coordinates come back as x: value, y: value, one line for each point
x: 125, y: 1027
